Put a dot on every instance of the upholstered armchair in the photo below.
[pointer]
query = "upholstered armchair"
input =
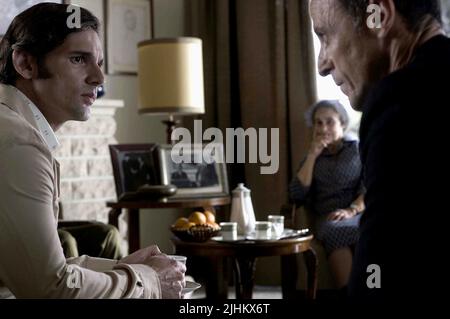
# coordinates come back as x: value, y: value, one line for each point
x: 88, y: 237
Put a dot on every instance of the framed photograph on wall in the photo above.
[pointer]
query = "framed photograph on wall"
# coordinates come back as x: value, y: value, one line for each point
x: 128, y: 23
x: 203, y: 175
x: 9, y: 9
x: 133, y: 166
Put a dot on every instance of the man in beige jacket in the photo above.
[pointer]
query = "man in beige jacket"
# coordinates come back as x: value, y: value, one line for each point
x: 49, y: 74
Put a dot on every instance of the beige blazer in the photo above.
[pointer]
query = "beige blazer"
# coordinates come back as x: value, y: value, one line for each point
x: 32, y: 263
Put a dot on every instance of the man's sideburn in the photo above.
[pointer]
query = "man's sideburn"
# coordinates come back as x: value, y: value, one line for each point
x: 43, y: 71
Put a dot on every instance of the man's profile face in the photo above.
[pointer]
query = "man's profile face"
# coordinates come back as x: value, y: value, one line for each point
x: 75, y: 73
x: 350, y: 55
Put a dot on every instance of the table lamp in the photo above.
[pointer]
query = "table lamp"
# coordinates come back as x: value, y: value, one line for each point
x: 170, y: 78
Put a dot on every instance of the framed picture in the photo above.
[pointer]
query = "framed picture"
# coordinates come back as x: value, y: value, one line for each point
x: 9, y: 9
x: 128, y: 23
x: 202, y: 174
x: 133, y: 166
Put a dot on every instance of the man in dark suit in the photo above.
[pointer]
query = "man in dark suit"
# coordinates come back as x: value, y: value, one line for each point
x: 137, y: 171
x: 391, y: 59
x: 180, y: 178
x: 206, y: 175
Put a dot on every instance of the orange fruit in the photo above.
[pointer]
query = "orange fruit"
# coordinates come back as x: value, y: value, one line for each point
x: 210, y: 217
x: 181, y: 222
x: 189, y: 225
x: 214, y: 225
x: 197, y: 218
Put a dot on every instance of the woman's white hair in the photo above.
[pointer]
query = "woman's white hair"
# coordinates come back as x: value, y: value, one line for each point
x: 335, y: 105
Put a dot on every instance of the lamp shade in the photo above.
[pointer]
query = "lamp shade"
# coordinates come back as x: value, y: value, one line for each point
x: 170, y: 76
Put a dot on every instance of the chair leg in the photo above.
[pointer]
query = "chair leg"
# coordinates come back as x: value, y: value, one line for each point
x: 311, y: 267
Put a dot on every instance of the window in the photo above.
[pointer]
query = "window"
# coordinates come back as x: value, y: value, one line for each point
x: 446, y: 15
x: 328, y: 90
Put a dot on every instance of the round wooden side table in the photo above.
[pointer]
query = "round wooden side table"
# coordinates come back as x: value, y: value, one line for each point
x: 244, y: 254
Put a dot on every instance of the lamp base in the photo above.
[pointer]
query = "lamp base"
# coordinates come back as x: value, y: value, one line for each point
x: 171, y: 123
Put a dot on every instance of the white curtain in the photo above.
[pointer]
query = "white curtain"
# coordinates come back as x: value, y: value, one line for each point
x: 446, y: 15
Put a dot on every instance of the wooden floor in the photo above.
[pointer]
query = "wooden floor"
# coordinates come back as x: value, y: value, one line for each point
x: 274, y: 292
x: 259, y: 292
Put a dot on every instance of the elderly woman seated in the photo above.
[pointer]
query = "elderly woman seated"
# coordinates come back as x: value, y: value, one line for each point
x: 329, y: 184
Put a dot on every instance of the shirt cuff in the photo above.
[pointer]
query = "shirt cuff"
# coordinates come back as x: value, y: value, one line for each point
x: 93, y: 263
x: 144, y: 282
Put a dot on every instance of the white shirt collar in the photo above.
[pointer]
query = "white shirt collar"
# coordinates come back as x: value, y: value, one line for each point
x: 44, y: 127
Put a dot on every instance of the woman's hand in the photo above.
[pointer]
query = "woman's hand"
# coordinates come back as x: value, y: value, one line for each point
x: 318, y: 143
x: 341, y: 214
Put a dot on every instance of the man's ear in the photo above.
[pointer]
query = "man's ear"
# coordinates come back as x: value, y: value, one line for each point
x: 25, y: 64
x: 382, y: 16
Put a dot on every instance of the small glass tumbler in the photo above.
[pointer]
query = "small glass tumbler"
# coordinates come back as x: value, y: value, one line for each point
x: 277, y: 224
x: 179, y: 258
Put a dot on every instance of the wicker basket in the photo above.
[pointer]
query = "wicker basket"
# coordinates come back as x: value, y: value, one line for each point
x: 198, y: 233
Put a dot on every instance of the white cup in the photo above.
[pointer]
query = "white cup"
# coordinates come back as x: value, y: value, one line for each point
x: 179, y: 258
x: 228, y: 230
x: 263, y: 230
x: 277, y: 224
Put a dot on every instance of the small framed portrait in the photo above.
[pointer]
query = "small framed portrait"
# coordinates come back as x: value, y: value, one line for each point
x: 128, y: 23
x: 134, y: 165
x: 9, y: 9
x: 195, y: 171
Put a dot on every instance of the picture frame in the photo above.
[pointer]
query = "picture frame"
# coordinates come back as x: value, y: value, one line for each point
x: 193, y: 179
x: 134, y: 165
x: 10, y: 9
x: 128, y: 23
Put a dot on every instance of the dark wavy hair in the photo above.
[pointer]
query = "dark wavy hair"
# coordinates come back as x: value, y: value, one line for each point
x: 412, y: 10
x: 38, y: 30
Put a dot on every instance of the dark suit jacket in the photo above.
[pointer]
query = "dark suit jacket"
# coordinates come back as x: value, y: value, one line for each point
x: 404, y: 135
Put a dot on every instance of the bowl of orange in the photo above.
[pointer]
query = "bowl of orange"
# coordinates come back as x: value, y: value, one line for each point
x: 198, y: 227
